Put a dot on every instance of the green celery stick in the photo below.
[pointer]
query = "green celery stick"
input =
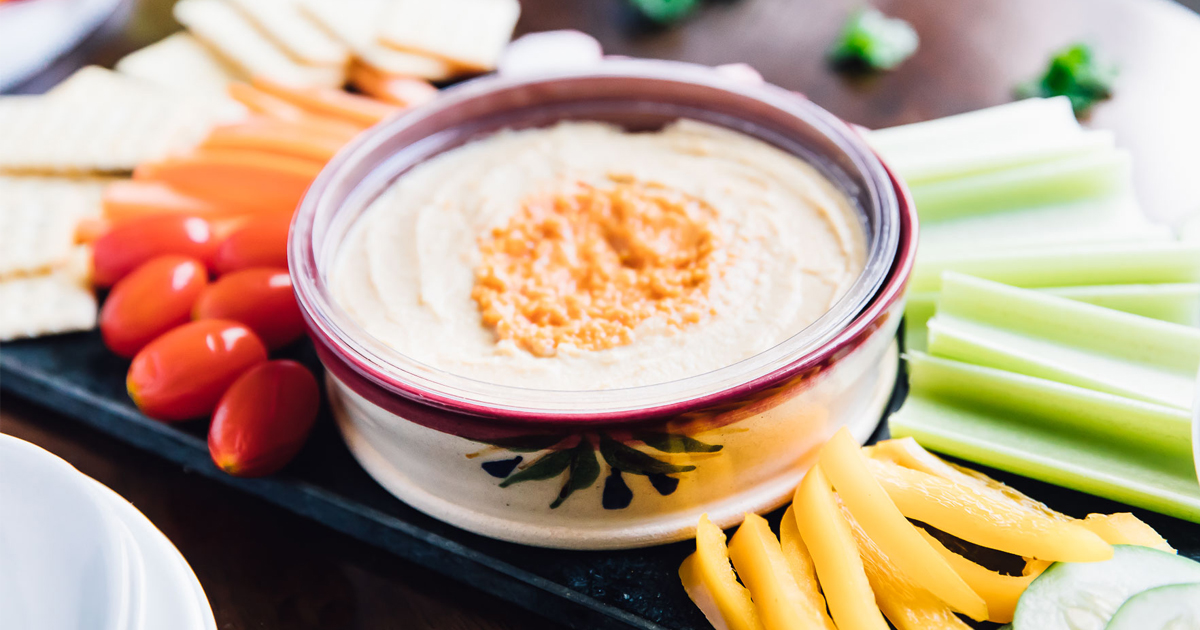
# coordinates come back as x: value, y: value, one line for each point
x: 1113, y: 219
x: 981, y: 156
x: 1029, y: 117
x: 1106, y: 445
x: 1176, y: 303
x: 1064, y: 266
x: 1093, y: 174
x: 991, y: 324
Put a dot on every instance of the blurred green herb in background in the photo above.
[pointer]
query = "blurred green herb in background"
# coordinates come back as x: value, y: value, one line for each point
x: 871, y: 40
x: 1073, y: 72
x: 665, y: 11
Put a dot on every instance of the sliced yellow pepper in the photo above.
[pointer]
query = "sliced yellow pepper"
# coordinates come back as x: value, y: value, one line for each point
x: 905, y: 603
x: 711, y: 584
x: 907, y: 453
x: 781, y: 603
x: 835, y: 555
x: 984, y: 518
x: 1001, y: 592
x: 800, y: 560
x: 1126, y: 529
x: 883, y: 522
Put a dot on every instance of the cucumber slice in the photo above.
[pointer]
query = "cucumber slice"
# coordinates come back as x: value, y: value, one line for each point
x: 1171, y: 607
x: 1084, y: 596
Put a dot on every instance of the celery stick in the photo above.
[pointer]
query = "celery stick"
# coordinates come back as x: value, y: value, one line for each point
x: 1090, y: 441
x: 1113, y: 219
x: 1175, y: 303
x: 1057, y: 181
x: 1076, y: 265
x: 922, y: 167
x: 1034, y: 116
x: 990, y: 324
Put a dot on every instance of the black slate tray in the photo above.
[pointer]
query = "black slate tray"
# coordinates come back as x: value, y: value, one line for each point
x: 75, y: 375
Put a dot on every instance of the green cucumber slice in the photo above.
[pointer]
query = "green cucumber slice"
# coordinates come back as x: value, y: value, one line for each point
x: 1085, y: 596
x: 1171, y: 607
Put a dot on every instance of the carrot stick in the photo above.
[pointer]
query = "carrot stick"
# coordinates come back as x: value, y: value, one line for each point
x: 391, y: 88
x: 131, y: 199
x: 260, y: 102
x: 91, y: 228
x: 256, y: 181
x: 275, y: 136
x: 330, y: 102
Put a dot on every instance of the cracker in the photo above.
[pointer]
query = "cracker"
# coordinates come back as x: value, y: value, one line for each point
x: 56, y: 302
x: 290, y: 29
x: 182, y: 64
x: 38, y: 219
x: 97, y: 121
x: 469, y: 33
x: 238, y: 41
x: 356, y: 24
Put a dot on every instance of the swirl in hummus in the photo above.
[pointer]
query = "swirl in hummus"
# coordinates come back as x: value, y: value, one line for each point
x: 583, y: 257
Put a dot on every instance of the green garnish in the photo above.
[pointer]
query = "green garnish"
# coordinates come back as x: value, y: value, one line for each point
x: 1074, y: 73
x: 665, y: 11
x: 873, y: 41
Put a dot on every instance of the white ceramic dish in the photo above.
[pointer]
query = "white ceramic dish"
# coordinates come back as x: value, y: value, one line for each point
x: 64, y: 562
x: 172, y: 597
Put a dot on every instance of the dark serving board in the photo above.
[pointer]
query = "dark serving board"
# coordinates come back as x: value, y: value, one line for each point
x: 639, y: 588
x: 971, y: 55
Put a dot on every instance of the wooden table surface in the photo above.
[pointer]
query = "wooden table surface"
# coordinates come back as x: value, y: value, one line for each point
x: 263, y: 568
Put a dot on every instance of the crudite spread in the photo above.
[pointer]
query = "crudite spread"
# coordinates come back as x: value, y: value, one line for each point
x: 583, y: 257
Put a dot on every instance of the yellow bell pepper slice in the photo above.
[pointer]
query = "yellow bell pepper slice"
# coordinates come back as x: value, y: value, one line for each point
x: 781, y: 603
x: 1126, y: 529
x: 984, y: 518
x: 800, y: 561
x: 883, y: 522
x: 904, y: 602
x: 1001, y: 592
x: 908, y: 453
x: 711, y: 584
x: 830, y: 540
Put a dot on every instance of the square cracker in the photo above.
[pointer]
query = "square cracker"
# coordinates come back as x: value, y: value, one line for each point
x: 293, y: 31
x: 55, y: 302
x: 97, y: 121
x: 182, y: 64
x: 356, y: 24
x: 38, y: 219
x: 237, y: 40
x: 469, y: 33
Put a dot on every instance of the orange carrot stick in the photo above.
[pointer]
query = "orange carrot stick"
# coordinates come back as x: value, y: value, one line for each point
x: 330, y: 102
x: 391, y: 88
x: 275, y: 136
x: 91, y: 228
x: 260, y: 102
x: 131, y: 199
x: 254, y: 180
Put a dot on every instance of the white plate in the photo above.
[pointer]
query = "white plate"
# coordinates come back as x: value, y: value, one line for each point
x: 34, y: 34
x: 64, y: 559
x: 173, y: 598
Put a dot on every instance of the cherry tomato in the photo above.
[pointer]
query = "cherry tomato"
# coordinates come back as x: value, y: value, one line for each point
x: 155, y: 298
x: 182, y: 374
x: 259, y: 242
x: 262, y: 421
x: 261, y: 298
x: 128, y: 245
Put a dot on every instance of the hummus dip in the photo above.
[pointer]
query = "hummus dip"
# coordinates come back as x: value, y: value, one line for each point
x: 584, y: 257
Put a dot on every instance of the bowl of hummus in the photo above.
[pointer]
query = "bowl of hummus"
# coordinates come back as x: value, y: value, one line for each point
x: 581, y: 308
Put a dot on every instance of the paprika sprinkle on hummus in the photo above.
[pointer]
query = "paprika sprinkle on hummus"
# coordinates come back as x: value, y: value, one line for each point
x: 585, y: 267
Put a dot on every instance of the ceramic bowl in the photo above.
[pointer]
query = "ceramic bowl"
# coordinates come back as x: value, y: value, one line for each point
x: 612, y: 468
